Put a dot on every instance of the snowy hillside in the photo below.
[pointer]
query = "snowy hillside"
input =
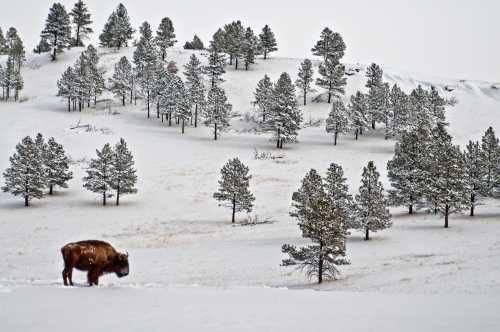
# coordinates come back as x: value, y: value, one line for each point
x: 185, y: 254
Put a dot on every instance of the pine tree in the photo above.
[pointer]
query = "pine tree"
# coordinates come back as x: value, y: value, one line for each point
x: 408, y: 170
x: 387, y: 111
x: 284, y: 118
x: 123, y: 177
x: 194, y: 83
x: 215, y: 68
x: 83, y: 83
x: 419, y: 110
x: 217, y: 110
x: 3, y: 43
x: 490, y: 164
x: 219, y: 40
x: 234, y: 37
x: 398, y: 101
x: 10, y: 36
x: 146, y: 62
x: 323, y: 221
x: 372, y: 212
x: 234, y: 187
x: 82, y: 22
x: 3, y: 81
x: 67, y: 86
x: 17, y: 53
x: 57, y: 165
x: 249, y: 47
x: 118, y: 30
x: 331, y: 47
x: 305, y: 78
x: 437, y: 106
x: 182, y: 102
x: 447, y: 189
x: 43, y: 46
x: 332, y: 78
x: 172, y: 67
x: 338, y: 120
x: 57, y: 29
x: 13, y: 79
x: 375, y: 96
x: 337, y: 191
x: 120, y: 81
x: 165, y: 36
x: 357, y: 113
x: 100, y: 172
x: 195, y: 44
x: 96, y: 77
x: 264, y: 96
x: 472, y: 163
x: 26, y: 174
x: 267, y: 41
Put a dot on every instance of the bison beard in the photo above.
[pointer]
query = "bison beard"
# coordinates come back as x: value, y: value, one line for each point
x: 96, y: 257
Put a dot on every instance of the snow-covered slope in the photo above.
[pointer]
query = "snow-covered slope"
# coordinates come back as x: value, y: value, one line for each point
x: 178, y: 236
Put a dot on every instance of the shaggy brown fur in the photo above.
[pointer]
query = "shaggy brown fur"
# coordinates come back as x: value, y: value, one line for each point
x: 96, y: 257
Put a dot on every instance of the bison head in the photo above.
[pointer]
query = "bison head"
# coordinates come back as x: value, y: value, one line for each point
x: 121, y: 265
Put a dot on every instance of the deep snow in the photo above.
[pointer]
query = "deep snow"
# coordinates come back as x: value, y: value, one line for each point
x: 191, y: 269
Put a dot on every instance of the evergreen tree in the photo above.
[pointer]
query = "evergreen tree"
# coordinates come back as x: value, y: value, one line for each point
x: 219, y: 40
x: 234, y: 187
x: 249, y: 48
x: 337, y: 191
x: 3, y: 81
x: 398, y: 101
x: 123, y: 177
x: 195, y: 87
x: 437, y: 106
x: 182, y: 102
x: 331, y: 47
x: 338, y: 120
x: 217, y: 110
x: 323, y: 221
x: 13, y: 79
x: 447, y: 188
x: 67, y: 86
x: 83, y: 85
x: 234, y: 37
x: 120, y: 81
x: 267, y: 41
x: 305, y: 78
x: 100, y: 172
x: 195, y: 44
x: 57, y: 165
x: 43, y: 46
x: 146, y: 62
x: 82, y: 22
x: 332, y: 78
x: 17, y: 53
x: 57, y: 29
x: 165, y: 36
x: 372, y: 213
x: 375, y: 96
x: 472, y: 163
x: 408, y: 170
x: 264, y: 96
x: 26, y: 174
x: 490, y: 164
x: 215, y: 68
x: 10, y: 36
x: 96, y: 77
x: 172, y: 67
x: 419, y: 110
x: 3, y: 43
x: 118, y: 30
x: 357, y: 113
x: 284, y: 118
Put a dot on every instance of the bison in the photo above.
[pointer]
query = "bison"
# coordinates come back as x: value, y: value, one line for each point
x: 96, y: 257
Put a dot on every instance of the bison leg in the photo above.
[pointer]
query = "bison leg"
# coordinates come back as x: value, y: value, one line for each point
x: 65, y: 277
x: 93, y: 276
x: 67, y: 274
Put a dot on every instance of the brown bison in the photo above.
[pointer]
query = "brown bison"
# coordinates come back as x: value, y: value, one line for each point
x: 96, y: 257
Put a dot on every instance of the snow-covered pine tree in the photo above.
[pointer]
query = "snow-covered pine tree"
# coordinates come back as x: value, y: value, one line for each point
x: 120, y: 81
x: 2, y: 81
x: 172, y: 67
x: 338, y: 120
x: 26, y: 174
x: 67, y: 86
x: 118, y: 30
x: 305, y: 78
x: 267, y: 41
x: 332, y: 78
x: 195, y: 86
x: 284, y: 118
x: 387, y: 111
x: 330, y: 46
x: 83, y: 84
x: 398, y: 101
x: 446, y: 190
x: 215, y: 68
x: 217, y: 110
x: 96, y: 75
x: 375, y: 95
x: 81, y: 21
x: 43, y: 46
x: 13, y: 79
x: 234, y: 38
x: 372, y: 212
x: 182, y: 110
x: 337, y: 191
x: 10, y: 36
x: 58, y: 29
x: 249, y: 47
x: 419, y: 110
x: 146, y: 62
x: 490, y: 164
x: 408, y: 170
x: 473, y: 180
x: 437, y: 106
x: 17, y: 53
x: 234, y: 187
x: 195, y: 44
x: 57, y: 165
x: 357, y: 113
x: 3, y: 43
x: 165, y: 36
x: 264, y: 95
x: 323, y: 221
x: 99, y: 173
x: 123, y: 174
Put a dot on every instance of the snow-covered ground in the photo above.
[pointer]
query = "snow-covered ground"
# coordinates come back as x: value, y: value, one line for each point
x: 190, y: 268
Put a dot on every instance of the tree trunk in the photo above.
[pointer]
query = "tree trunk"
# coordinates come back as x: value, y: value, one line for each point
x: 410, y: 209
x: 54, y: 51
x: 265, y: 54
x: 183, y: 125
x: 367, y: 234
x: 356, y: 133
x: 373, y: 124
x: 236, y: 63
x: 335, y: 138
x: 196, y: 116
x: 118, y: 195
x: 69, y: 104
x: 51, y: 187
x: 472, y: 203
x: 305, y: 97
x: 279, y: 138
x: 158, y: 109
x: 148, y: 104
x: 77, y: 42
x: 170, y: 119
x: 329, y: 97
x: 320, y: 264
x: 215, y: 131
x: 26, y: 200
x: 123, y: 100
x: 104, y: 198
x: 230, y: 62
x: 234, y: 210
x: 446, y: 213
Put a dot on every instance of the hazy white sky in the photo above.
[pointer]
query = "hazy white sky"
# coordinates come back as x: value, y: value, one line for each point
x: 453, y: 38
